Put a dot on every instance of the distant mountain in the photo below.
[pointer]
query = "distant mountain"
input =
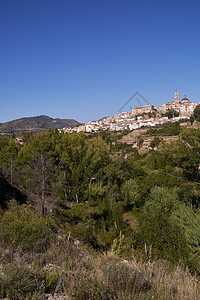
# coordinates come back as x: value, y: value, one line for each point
x: 35, y: 124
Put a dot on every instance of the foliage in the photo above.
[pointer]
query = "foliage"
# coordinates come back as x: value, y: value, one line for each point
x: 96, y: 191
x: 129, y: 191
x: 21, y: 227
x: 166, y: 129
x: 189, y: 221
x: 171, y: 113
x: 140, y: 142
x: 117, y: 244
x: 196, y: 113
x: 17, y: 280
x: 155, y: 142
x: 123, y: 279
x: 158, y: 227
x: 51, y: 279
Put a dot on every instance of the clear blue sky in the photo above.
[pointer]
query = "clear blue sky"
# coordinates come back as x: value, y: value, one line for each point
x: 83, y: 59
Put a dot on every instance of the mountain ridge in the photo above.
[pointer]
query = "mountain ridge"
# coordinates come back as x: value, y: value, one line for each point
x: 35, y: 124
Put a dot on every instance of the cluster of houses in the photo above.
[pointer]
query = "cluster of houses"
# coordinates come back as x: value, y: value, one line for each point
x: 146, y: 115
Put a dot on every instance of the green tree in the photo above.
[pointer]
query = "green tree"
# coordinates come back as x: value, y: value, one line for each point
x: 189, y: 220
x: 21, y: 227
x: 129, y: 191
x: 36, y: 162
x: 185, y: 153
x: 171, y: 114
x: 155, y: 142
x: 8, y: 155
x: 158, y: 226
x: 140, y: 142
x: 196, y: 113
x: 81, y: 163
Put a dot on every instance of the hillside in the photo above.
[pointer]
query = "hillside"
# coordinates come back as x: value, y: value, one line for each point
x: 139, y: 139
x: 35, y: 124
x: 145, y: 139
x: 103, y: 219
x: 8, y: 192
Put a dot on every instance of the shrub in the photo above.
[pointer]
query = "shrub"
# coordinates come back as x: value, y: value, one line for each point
x: 171, y: 114
x: 159, y: 227
x: 83, y: 286
x: 17, y: 280
x: 140, y: 142
x: 196, y: 114
x: 51, y: 280
x: 22, y: 227
x: 123, y: 279
x: 155, y: 142
x: 167, y: 129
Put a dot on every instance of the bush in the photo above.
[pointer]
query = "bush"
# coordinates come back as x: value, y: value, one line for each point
x: 155, y: 142
x: 196, y: 114
x: 140, y: 142
x: 84, y: 287
x: 51, y: 280
x: 159, y: 227
x: 171, y: 114
x: 17, y: 280
x: 123, y: 279
x: 166, y: 129
x: 22, y: 227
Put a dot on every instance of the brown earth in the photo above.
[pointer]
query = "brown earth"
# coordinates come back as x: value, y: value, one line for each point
x: 133, y: 137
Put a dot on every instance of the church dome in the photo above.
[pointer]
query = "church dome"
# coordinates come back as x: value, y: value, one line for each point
x: 185, y: 99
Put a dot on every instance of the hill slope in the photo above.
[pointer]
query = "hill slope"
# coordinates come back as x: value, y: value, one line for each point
x: 36, y: 124
x: 8, y: 192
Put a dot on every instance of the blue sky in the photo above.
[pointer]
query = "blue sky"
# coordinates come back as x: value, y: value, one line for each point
x: 84, y: 59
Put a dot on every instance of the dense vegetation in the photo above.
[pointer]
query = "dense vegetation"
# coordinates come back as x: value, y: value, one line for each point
x: 166, y: 129
x: 80, y: 196
x: 171, y: 113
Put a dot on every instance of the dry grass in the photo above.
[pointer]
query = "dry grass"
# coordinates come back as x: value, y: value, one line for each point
x: 164, y: 281
x: 72, y: 270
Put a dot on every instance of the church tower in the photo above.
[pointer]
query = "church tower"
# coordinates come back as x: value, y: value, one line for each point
x: 176, y: 97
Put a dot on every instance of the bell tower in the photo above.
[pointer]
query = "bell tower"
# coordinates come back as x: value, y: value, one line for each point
x: 176, y: 97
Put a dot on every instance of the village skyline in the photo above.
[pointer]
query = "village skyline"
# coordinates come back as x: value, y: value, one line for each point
x: 144, y: 115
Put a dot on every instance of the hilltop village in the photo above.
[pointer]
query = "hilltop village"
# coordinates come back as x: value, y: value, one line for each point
x: 146, y: 115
